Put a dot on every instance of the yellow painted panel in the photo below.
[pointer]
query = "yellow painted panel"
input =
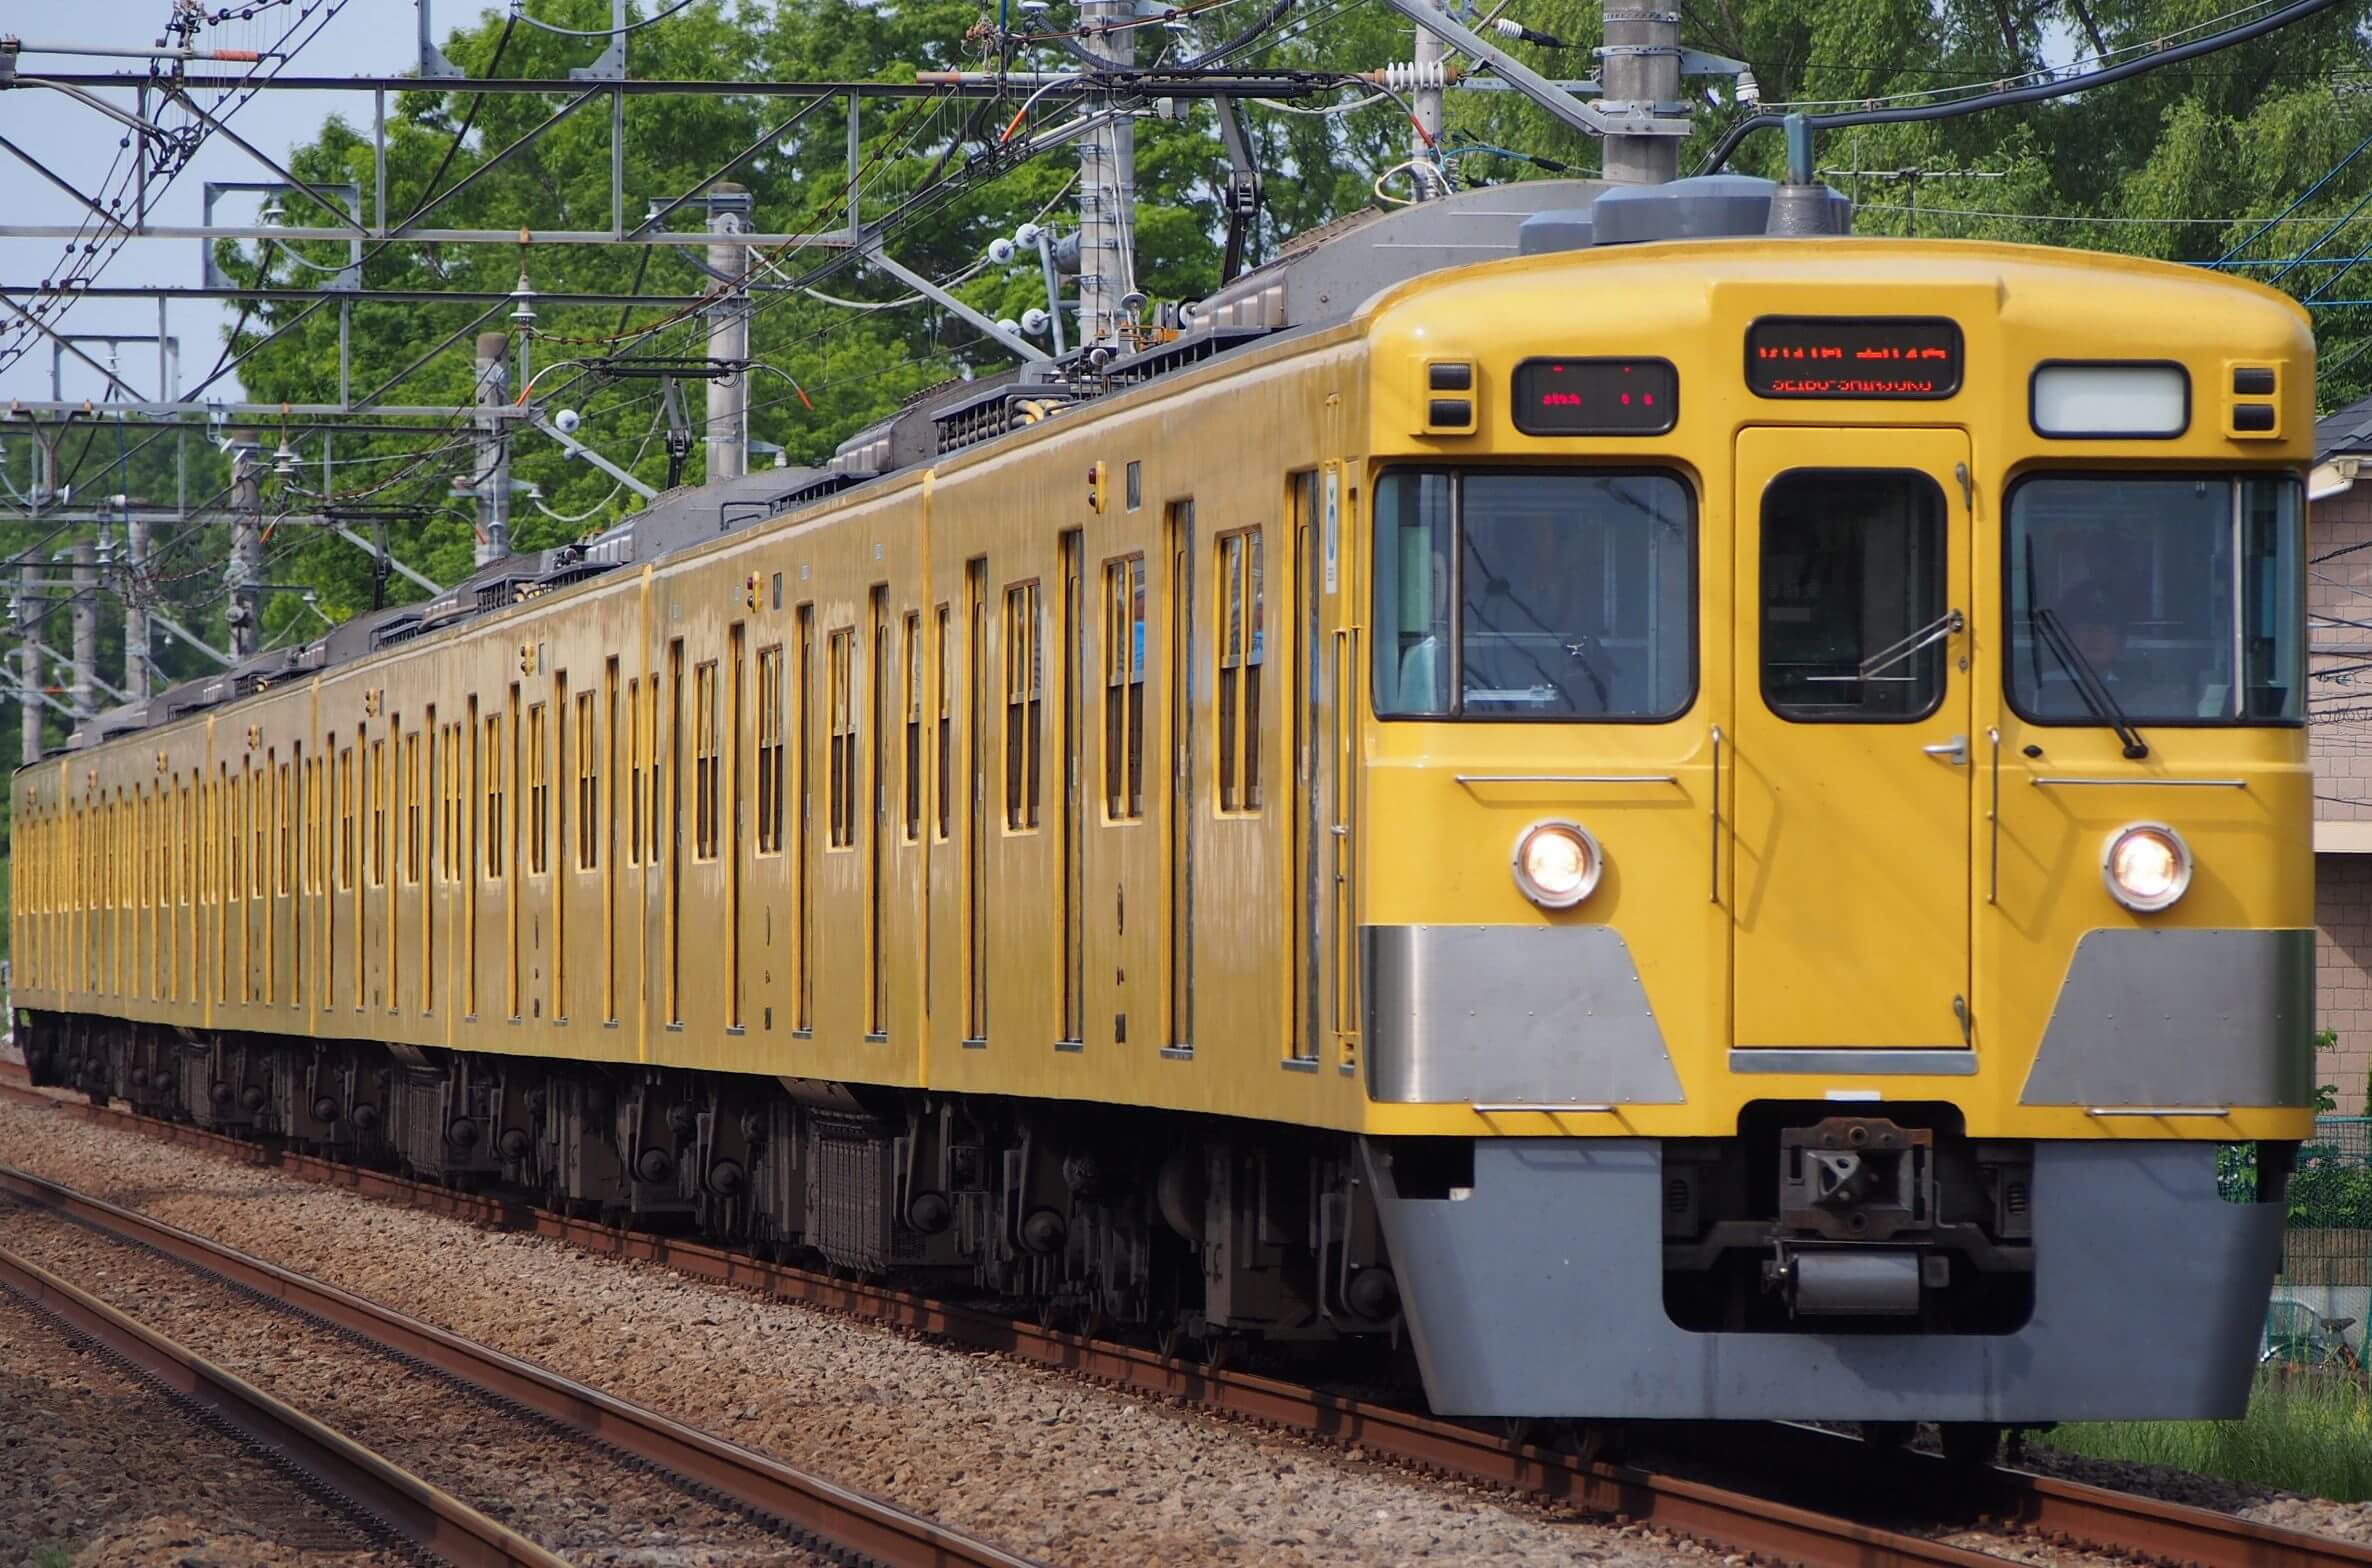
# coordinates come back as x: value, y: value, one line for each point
x: 1850, y: 834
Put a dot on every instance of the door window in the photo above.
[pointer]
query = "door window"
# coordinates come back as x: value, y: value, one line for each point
x: 1854, y: 618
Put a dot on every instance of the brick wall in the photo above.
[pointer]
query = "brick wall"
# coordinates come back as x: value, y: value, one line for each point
x: 2343, y: 972
x: 2339, y: 590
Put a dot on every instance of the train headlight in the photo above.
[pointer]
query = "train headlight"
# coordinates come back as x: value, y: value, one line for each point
x: 1557, y: 864
x: 2147, y: 866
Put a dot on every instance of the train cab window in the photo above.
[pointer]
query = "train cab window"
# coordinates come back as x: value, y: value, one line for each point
x: 2169, y: 599
x: 1537, y: 595
x: 1853, y: 564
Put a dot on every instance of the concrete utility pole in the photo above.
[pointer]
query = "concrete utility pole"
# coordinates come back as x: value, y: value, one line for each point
x: 1641, y: 68
x: 86, y: 629
x: 1107, y: 189
x: 728, y: 331
x: 136, y: 660
x: 1432, y: 56
x: 492, y: 458
x: 246, y: 569
x: 28, y: 659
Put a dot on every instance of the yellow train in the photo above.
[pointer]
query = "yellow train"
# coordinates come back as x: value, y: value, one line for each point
x: 1701, y: 825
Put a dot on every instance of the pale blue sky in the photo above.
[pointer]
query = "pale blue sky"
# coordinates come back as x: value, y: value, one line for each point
x: 78, y: 144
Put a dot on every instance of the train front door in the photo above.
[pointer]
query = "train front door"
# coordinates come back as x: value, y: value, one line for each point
x: 1855, y: 759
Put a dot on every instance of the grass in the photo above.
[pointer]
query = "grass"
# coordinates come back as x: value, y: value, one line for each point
x: 2311, y: 1435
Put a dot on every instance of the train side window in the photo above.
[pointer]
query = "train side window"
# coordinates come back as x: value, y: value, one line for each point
x: 1242, y: 650
x: 705, y: 762
x: 412, y: 824
x: 1024, y: 705
x: 634, y: 770
x: 651, y: 760
x: 841, y: 819
x: 1853, y: 566
x: 432, y: 820
x: 345, y: 819
x: 588, y: 786
x: 493, y: 775
x: 770, y: 749
x: 910, y: 670
x: 539, y: 792
x: 259, y: 825
x: 946, y: 768
x: 234, y: 829
x: 1124, y: 688
x: 378, y: 791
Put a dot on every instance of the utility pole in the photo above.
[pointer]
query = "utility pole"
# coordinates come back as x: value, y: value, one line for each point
x: 28, y: 660
x: 86, y: 629
x: 1641, y: 70
x: 1107, y: 189
x: 728, y: 332
x: 246, y: 571
x: 493, y: 452
x: 136, y: 661
x: 1424, y: 138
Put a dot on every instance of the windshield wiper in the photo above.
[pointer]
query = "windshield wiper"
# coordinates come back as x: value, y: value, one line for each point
x: 2088, y: 682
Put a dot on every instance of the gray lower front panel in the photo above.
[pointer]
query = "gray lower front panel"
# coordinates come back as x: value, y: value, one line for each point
x: 2181, y: 1017
x: 1540, y: 1293
x: 1547, y: 1013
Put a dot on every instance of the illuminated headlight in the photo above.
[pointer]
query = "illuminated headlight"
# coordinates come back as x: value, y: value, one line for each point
x: 1557, y: 864
x: 2147, y: 866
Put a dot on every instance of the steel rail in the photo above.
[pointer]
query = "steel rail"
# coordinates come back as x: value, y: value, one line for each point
x: 2093, y: 1516
x: 430, y: 1517
x: 841, y: 1516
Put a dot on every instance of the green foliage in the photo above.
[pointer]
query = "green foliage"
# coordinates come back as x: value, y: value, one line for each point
x: 2311, y: 1435
x: 2330, y: 1190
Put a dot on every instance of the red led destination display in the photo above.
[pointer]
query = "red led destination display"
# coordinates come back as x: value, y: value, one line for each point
x: 1853, y: 356
x: 1596, y: 397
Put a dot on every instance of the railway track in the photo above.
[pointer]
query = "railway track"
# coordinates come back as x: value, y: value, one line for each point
x: 390, y: 1497
x: 545, y: 1411
x: 1944, y: 1497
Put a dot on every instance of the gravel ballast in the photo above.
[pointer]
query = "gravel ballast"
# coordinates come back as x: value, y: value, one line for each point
x: 98, y: 1467
x: 572, y: 1496
x: 1042, y: 1464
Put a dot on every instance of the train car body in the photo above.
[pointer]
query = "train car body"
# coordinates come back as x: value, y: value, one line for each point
x: 1710, y: 828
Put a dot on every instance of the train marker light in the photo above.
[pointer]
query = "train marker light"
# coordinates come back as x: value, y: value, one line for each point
x: 1557, y: 864
x: 2146, y: 866
x: 2108, y: 401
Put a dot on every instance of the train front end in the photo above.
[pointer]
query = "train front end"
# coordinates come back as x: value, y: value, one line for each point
x: 1834, y: 857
